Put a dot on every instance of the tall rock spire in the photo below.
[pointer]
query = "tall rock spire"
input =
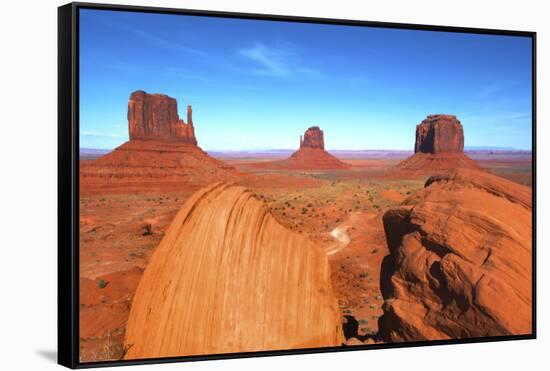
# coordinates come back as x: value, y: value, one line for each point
x: 189, y: 115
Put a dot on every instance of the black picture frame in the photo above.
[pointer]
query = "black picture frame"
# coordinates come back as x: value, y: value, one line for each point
x: 68, y: 180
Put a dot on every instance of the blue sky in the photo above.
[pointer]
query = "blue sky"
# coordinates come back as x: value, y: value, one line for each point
x: 260, y: 84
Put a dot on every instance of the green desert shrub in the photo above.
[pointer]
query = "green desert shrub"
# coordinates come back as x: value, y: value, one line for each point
x: 102, y: 283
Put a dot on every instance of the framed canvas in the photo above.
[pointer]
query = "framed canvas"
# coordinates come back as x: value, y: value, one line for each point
x: 237, y: 185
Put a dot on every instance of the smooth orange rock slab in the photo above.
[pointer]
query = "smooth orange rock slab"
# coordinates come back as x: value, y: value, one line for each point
x: 227, y: 277
x: 460, y: 262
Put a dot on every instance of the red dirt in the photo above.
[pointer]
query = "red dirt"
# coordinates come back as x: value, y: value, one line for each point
x: 393, y: 195
x: 105, y: 305
x: 356, y: 272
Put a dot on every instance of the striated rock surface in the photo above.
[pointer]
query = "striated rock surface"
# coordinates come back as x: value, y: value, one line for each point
x: 161, y: 148
x: 227, y: 277
x: 155, y: 117
x: 313, y: 138
x: 439, y: 146
x: 460, y: 262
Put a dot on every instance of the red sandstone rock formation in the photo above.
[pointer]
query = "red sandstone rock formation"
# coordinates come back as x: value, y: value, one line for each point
x: 311, y: 155
x: 153, y: 161
x: 439, y: 134
x: 227, y: 277
x: 307, y: 158
x: 155, y: 117
x: 460, y: 262
x: 439, y: 146
x: 313, y: 138
x: 161, y: 147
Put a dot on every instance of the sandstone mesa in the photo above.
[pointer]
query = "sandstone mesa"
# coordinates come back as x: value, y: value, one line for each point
x: 439, y: 146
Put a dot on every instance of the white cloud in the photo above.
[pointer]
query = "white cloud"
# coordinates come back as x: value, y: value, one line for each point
x: 272, y: 61
x: 276, y: 62
x: 494, y: 88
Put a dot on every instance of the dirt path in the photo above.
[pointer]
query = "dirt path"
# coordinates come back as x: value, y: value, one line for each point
x: 341, y: 239
x: 340, y: 234
x: 356, y: 256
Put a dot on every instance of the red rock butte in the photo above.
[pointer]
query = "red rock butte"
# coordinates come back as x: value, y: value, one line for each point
x: 439, y: 145
x: 311, y: 155
x: 227, y: 277
x: 155, y: 117
x: 162, y: 147
x: 313, y: 138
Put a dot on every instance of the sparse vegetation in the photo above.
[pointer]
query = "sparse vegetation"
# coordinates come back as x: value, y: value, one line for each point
x: 101, y: 283
x: 147, y: 230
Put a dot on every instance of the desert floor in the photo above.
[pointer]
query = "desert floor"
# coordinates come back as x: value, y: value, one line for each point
x: 121, y: 224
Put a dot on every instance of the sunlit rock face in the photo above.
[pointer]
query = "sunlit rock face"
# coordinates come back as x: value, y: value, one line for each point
x: 155, y: 117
